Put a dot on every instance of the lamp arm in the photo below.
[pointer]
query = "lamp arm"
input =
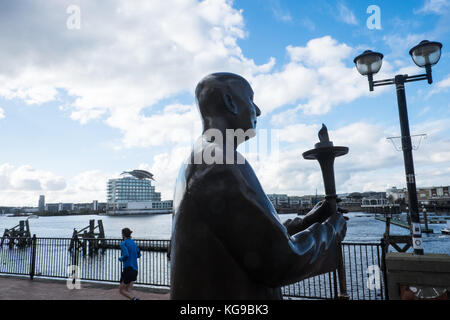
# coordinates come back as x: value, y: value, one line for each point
x: 370, y: 78
x: 385, y: 82
x: 418, y: 78
x: 429, y: 76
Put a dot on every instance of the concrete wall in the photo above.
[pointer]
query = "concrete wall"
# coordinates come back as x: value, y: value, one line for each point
x: 405, y: 270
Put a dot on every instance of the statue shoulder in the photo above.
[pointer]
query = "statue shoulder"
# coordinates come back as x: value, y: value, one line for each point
x: 214, y: 176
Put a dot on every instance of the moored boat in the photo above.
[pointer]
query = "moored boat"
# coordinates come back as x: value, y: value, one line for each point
x: 446, y: 230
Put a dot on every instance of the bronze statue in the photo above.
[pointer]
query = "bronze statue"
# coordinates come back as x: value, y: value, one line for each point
x: 227, y: 239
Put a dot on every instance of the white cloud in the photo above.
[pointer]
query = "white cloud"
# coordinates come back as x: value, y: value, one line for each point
x: 424, y: 111
x: 442, y: 85
x: 309, y: 24
x: 434, y: 6
x: 176, y: 124
x: 127, y: 56
x: 299, y: 133
x: 165, y: 169
x: 400, y: 44
x: 86, y: 187
x: 2, y: 113
x: 130, y: 56
x: 24, y: 181
x: 27, y: 178
x: 316, y: 78
x: 346, y: 15
x: 22, y: 185
x: 371, y: 164
x: 281, y: 14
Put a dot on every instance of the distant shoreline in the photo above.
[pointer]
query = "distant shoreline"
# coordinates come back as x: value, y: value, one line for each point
x: 51, y: 214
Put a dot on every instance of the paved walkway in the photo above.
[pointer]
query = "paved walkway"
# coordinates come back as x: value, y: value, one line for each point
x: 12, y: 288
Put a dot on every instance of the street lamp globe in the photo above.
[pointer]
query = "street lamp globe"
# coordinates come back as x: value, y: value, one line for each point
x: 426, y: 53
x: 368, y: 62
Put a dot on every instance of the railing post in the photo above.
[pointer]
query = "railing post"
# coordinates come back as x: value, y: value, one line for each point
x: 75, y: 252
x: 33, y: 257
x: 384, y: 248
x: 335, y: 286
x: 343, y: 295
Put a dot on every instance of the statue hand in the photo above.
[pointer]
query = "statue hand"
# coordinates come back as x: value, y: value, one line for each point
x: 341, y: 210
x: 294, y: 225
x: 320, y: 212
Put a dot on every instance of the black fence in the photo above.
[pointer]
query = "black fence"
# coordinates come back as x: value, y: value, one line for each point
x: 56, y: 258
x: 362, y: 277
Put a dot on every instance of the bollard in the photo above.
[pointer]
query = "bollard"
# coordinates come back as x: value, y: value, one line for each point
x: 33, y: 257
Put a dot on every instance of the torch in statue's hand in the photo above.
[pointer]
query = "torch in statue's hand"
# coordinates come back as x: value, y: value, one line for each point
x: 325, y: 153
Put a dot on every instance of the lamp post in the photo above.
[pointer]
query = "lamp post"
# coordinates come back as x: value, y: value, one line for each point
x: 425, y: 55
x: 388, y: 217
x: 425, y: 218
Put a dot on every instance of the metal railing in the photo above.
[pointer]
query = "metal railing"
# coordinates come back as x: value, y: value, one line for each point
x: 363, y: 264
x: 364, y: 271
x: 51, y: 257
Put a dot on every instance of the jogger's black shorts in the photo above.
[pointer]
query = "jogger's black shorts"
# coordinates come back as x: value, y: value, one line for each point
x: 128, y: 275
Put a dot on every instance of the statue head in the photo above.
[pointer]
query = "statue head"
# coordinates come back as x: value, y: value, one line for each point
x: 225, y: 101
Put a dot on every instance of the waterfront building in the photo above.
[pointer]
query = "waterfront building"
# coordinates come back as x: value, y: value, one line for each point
x: 301, y: 202
x: 58, y: 207
x: 130, y: 189
x: 41, y: 204
x: 69, y: 207
x: 433, y: 197
x: 396, y: 195
x: 101, y: 206
x: 66, y: 207
x: 351, y: 201
x: 288, y: 204
x: 134, y: 195
x: 52, y: 207
x: 82, y: 207
x: 306, y: 202
x: 272, y: 199
x: 423, y: 195
x: 428, y: 197
x: 294, y: 201
x: 374, y: 202
x: 165, y: 204
x: 279, y: 200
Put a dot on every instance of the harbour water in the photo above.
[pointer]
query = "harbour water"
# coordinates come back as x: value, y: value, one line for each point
x: 361, y: 227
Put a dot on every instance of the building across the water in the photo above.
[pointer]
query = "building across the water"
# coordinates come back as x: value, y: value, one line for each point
x: 41, y: 203
x: 291, y: 204
x: 134, y: 194
x: 74, y: 208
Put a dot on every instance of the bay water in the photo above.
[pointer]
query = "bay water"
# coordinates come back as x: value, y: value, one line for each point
x: 361, y: 227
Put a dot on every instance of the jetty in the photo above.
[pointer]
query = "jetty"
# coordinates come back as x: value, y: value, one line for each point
x: 19, y: 235
x: 88, y: 239
x: 404, y: 224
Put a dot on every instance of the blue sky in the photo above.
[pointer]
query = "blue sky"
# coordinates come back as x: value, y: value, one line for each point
x: 80, y: 105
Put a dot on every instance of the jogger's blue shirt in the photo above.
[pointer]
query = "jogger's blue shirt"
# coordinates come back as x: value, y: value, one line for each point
x: 130, y: 253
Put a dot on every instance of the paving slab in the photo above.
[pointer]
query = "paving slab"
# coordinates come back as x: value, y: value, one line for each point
x: 14, y: 288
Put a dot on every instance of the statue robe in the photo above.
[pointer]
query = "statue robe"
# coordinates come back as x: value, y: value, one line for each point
x: 228, y: 242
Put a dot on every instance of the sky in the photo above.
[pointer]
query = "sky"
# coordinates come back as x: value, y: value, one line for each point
x: 89, y: 89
